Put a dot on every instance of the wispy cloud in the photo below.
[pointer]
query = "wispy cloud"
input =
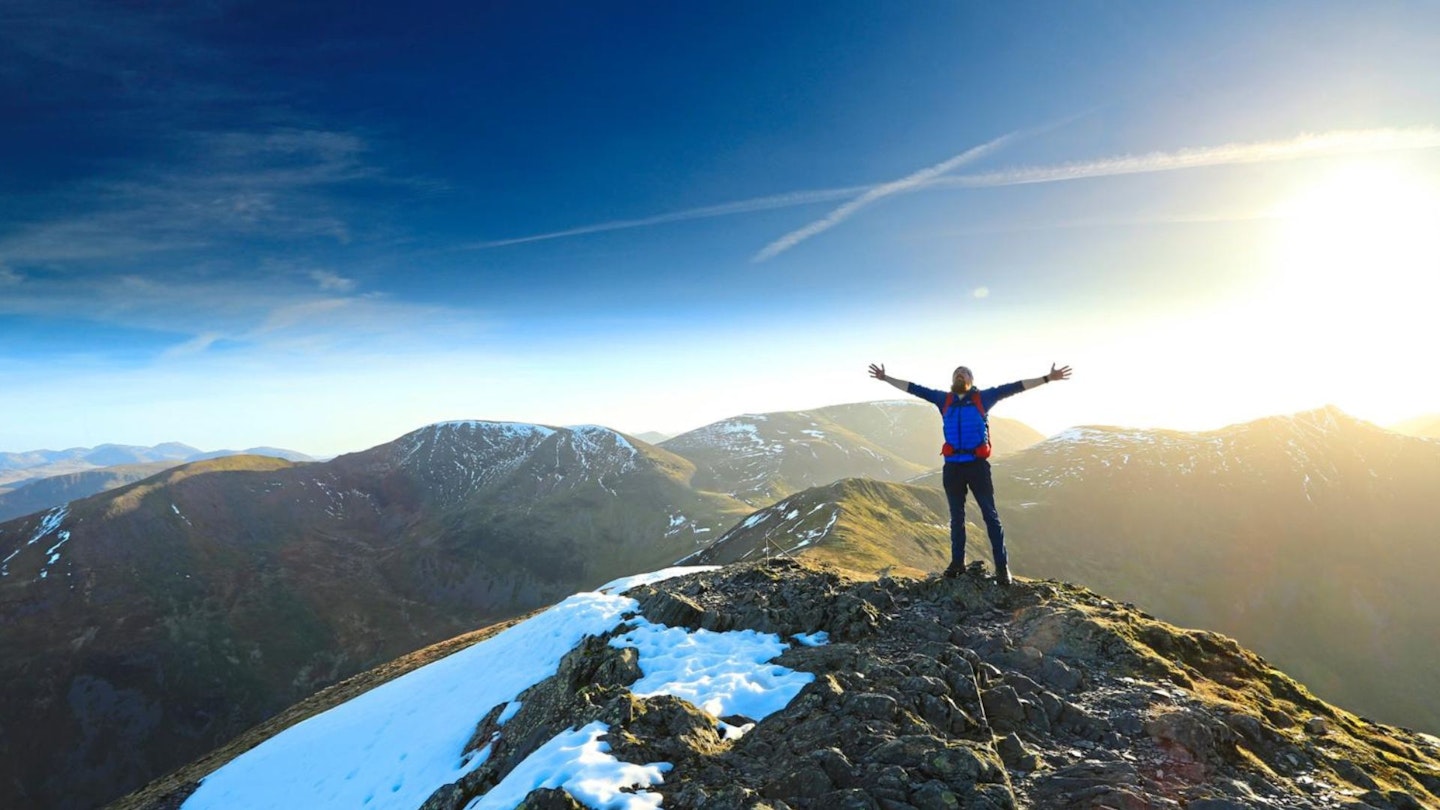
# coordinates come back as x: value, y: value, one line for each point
x: 1317, y: 145
x: 877, y: 193
x: 8, y: 276
x: 260, y: 313
x: 214, y: 187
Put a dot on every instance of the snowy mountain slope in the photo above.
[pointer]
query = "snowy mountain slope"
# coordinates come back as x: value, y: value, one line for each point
x: 792, y: 685
x: 164, y: 598
x: 761, y: 457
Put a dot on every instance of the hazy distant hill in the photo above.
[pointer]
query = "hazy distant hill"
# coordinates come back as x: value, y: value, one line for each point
x: 18, y: 469
x: 1311, y: 538
x: 45, y: 493
x: 143, y: 626
x: 1427, y: 427
x: 759, y: 458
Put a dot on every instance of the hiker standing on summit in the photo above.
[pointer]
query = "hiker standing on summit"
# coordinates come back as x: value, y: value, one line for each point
x: 964, y: 409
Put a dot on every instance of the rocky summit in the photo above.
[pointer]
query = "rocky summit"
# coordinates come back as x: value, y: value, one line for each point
x: 958, y: 693
x: 938, y: 693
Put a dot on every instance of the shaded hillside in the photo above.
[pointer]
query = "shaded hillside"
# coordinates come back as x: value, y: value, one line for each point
x: 760, y: 458
x: 1310, y: 538
x: 917, y: 693
x: 46, y: 493
x: 857, y: 524
x: 143, y: 626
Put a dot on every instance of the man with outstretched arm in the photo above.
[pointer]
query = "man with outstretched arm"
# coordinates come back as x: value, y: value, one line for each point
x: 963, y: 412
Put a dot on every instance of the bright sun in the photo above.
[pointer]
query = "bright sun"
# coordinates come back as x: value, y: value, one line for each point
x: 1354, y: 298
x: 1365, y: 234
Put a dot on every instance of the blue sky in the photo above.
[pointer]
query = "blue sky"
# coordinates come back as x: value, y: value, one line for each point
x: 321, y: 225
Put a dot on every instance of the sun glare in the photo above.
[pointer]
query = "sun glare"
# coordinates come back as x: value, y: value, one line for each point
x: 1352, y: 297
x: 1364, y: 234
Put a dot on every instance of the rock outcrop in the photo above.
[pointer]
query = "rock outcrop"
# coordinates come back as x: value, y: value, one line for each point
x: 935, y: 694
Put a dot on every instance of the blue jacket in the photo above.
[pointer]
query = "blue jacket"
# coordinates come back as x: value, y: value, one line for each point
x: 964, y: 427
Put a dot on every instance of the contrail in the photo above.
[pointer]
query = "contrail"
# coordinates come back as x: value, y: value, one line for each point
x: 1326, y: 144
x: 909, y: 183
x: 789, y: 200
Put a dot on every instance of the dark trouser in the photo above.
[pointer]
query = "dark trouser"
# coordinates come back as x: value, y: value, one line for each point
x: 974, y: 476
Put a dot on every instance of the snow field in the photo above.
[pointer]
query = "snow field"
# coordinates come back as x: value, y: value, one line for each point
x: 396, y: 744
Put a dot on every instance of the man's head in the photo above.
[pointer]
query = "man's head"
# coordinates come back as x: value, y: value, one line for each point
x: 961, y: 380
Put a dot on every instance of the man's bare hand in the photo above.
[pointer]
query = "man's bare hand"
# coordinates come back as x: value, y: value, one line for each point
x: 878, y: 372
x: 1062, y: 373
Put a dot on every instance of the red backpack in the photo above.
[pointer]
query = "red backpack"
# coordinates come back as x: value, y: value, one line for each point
x: 983, y: 451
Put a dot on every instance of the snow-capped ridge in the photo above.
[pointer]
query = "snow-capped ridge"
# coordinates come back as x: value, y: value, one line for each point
x: 401, y: 742
x: 460, y: 458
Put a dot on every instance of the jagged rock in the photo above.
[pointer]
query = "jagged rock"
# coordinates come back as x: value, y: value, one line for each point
x: 806, y: 782
x: 549, y: 799
x: 1015, y: 755
x: 448, y: 797
x: 934, y: 796
x: 1353, y: 774
x: 1073, y: 780
x: 872, y: 706
x: 1317, y: 726
x: 1003, y: 708
x: 1198, y: 736
x: 670, y: 609
x: 851, y: 799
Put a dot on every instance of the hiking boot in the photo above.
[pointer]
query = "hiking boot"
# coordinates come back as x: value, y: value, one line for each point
x: 1002, y: 577
x: 954, y: 571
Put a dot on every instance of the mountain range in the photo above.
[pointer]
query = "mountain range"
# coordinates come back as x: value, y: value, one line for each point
x: 139, y: 627
x: 139, y: 624
x: 759, y: 458
x: 361, y: 558
x: 795, y: 685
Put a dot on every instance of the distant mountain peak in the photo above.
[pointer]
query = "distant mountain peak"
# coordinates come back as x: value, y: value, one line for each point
x: 483, y: 426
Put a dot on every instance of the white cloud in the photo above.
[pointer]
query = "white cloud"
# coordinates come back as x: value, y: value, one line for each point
x: 196, y: 345
x: 332, y: 282
x: 8, y: 276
